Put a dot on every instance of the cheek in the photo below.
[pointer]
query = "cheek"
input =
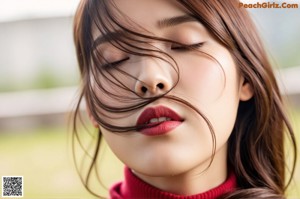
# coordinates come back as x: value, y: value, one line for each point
x: 114, y: 88
x: 201, y: 80
x: 206, y: 80
x: 213, y: 88
x: 109, y: 92
x: 128, y: 147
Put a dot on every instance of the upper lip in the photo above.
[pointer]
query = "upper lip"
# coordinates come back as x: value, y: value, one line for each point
x: 157, y: 112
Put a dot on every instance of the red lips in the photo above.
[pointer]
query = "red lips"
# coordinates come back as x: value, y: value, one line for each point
x: 158, y: 120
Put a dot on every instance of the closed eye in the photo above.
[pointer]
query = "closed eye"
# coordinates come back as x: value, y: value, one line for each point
x: 115, y: 63
x: 187, y: 47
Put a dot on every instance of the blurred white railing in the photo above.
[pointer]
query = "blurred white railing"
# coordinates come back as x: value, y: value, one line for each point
x: 36, y: 107
x: 289, y: 80
x: 37, y: 102
x: 32, y: 107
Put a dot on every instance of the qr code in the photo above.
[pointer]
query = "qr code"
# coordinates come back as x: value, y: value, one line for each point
x: 12, y: 186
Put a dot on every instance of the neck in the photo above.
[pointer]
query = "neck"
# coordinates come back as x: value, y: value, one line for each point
x: 197, y: 180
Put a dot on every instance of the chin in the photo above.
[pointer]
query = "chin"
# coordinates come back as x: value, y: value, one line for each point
x: 166, y: 167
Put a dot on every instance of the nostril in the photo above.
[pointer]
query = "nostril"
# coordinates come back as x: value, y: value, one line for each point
x: 144, y: 89
x: 160, y: 85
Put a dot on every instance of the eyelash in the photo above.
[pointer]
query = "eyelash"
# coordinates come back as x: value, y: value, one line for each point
x: 176, y: 48
x: 188, y: 47
x: 115, y: 63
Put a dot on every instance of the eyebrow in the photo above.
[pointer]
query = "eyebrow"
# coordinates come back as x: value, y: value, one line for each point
x: 174, y: 21
x: 164, y: 23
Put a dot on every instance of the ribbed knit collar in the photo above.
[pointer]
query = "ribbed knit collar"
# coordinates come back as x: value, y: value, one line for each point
x: 134, y: 188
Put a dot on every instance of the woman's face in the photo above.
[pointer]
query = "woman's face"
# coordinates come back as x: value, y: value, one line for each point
x: 212, y: 86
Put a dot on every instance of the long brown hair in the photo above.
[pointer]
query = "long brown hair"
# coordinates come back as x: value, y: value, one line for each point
x: 256, y: 145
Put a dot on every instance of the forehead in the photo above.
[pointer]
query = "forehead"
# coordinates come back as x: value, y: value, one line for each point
x: 146, y: 13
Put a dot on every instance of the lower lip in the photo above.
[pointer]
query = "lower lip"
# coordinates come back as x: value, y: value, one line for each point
x: 161, y: 129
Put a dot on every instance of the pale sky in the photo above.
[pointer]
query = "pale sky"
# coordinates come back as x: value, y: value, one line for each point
x: 11, y: 10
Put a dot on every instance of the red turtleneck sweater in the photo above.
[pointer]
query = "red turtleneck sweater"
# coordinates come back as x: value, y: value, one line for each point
x: 134, y: 188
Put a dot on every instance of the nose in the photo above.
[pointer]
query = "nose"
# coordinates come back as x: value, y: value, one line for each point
x: 154, y: 77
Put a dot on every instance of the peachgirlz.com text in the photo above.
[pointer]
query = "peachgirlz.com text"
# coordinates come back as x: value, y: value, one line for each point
x: 268, y: 5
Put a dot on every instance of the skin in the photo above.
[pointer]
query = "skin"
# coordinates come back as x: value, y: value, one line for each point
x: 177, y: 161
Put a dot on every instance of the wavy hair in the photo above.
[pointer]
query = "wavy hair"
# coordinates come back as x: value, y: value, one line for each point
x: 256, y: 145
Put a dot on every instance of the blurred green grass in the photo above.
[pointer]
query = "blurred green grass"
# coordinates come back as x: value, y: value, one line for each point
x: 43, y: 156
x: 294, y: 188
